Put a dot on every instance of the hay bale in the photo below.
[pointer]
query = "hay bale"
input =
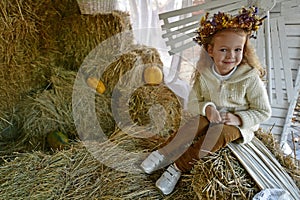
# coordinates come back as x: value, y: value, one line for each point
x: 78, y: 35
x: 64, y: 8
x: 133, y: 62
x: 122, y: 69
x: 22, y: 66
x: 156, y: 108
x: 51, y: 110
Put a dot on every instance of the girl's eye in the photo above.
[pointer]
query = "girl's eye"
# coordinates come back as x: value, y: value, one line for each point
x: 223, y: 50
x: 238, y: 50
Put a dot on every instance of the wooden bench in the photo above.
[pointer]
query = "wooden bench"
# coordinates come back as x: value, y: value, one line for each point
x: 180, y: 25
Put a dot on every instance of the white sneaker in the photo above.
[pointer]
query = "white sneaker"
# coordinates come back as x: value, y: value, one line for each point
x: 168, y: 180
x: 153, y: 162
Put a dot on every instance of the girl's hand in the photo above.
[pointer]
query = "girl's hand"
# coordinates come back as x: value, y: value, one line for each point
x: 231, y: 119
x: 213, y: 114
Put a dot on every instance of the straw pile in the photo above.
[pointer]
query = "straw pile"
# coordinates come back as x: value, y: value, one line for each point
x: 75, y: 174
x: 221, y: 176
x: 154, y: 107
x: 81, y: 173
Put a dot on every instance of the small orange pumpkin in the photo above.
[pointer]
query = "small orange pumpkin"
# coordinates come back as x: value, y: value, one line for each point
x: 96, y: 84
x: 153, y: 75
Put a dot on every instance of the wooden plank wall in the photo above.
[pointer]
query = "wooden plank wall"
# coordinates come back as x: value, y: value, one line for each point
x: 285, y: 46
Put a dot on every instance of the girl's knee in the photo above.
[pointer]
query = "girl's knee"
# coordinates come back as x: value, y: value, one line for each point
x: 230, y: 133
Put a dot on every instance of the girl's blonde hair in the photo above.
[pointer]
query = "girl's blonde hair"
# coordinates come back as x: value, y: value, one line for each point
x: 249, y: 55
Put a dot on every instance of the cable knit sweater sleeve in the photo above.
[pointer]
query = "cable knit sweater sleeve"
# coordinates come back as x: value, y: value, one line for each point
x: 258, y: 102
x: 196, y: 103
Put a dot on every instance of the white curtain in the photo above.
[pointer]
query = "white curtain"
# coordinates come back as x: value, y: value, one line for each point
x: 147, y: 30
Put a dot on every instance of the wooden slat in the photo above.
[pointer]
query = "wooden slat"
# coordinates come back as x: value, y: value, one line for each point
x: 293, y: 41
x: 181, y: 11
x: 278, y: 121
x: 284, y: 105
x: 181, y: 39
x: 288, y: 7
x: 181, y: 48
x: 171, y: 34
x: 294, y: 53
x: 285, y: 57
x: 293, y: 30
x: 260, y: 46
x: 277, y: 112
x: 277, y: 8
x: 276, y: 61
x: 229, y: 8
x: 268, y: 55
x: 181, y: 22
x: 291, y: 108
x: 295, y: 64
x: 283, y: 84
x: 187, y: 10
x: 292, y: 18
x: 285, y: 100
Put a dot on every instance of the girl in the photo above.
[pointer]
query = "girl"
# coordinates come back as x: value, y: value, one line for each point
x: 227, y: 92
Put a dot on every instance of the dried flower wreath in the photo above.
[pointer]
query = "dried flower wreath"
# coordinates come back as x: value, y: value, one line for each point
x: 247, y: 19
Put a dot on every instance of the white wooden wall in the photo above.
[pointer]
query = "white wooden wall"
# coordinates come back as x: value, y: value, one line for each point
x: 285, y: 48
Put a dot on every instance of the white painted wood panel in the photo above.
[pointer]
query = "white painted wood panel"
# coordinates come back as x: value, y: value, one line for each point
x: 285, y: 55
x: 290, y: 112
x: 276, y: 61
x: 288, y: 7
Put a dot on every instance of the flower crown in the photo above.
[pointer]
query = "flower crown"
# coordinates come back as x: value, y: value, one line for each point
x: 247, y: 19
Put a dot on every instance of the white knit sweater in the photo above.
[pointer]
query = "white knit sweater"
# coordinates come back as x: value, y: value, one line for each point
x: 243, y: 94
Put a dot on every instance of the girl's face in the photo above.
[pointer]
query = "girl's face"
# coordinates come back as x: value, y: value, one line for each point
x: 227, y: 50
